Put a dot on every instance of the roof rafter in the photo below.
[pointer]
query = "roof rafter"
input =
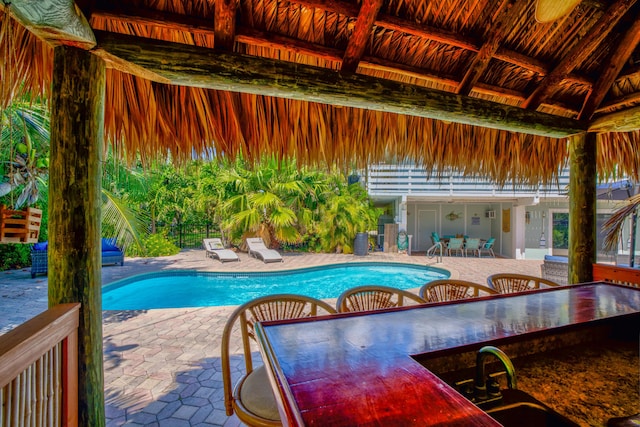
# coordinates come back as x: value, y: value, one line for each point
x: 360, y: 36
x: 279, y: 42
x: 497, y: 34
x: 201, y: 67
x: 394, y: 23
x: 225, y: 24
x: 611, y: 69
x: 580, y: 51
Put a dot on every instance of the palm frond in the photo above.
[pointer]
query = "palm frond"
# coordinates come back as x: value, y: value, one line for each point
x: 612, y: 228
x: 122, y: 222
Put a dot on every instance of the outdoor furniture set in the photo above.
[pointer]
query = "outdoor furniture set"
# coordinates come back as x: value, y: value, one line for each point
x: 463, y: 245
x: 252, y: 399
x: 111, y: 254
x: 214, y: 248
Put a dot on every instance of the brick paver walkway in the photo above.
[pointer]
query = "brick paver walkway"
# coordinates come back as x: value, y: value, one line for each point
x: 162, y: 367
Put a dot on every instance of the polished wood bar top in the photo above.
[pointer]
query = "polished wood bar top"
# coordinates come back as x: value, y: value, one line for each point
x: 356, y: 368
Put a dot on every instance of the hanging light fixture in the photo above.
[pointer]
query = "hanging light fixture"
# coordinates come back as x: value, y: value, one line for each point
x: 543, y: 240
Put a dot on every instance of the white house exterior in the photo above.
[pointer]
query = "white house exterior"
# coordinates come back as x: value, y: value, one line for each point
x: 520, y: 218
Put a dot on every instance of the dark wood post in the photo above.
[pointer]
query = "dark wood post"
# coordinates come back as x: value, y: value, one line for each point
x: 77, y: 114
x: 582, y: 207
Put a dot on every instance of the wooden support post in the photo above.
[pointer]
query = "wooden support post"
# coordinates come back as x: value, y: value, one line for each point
x: 582, y: 207
x: 77, y: 128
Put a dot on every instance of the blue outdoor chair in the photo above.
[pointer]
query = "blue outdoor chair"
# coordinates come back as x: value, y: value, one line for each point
x: 488, y: 247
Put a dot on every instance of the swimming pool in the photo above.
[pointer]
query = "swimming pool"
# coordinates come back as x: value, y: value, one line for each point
x: 175, y: 289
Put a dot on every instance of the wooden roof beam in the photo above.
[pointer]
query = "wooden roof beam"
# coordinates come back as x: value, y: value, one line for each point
x: 360, y: 35
x: 622, y: 101
x: 620, y: 121
x: 201, y: 67
x: 295, y: 46
x: 579, y: 53
x: 508, y: 19
x: 54, y: 21
x: 288, y: 44
x: 611, y: 69
x: 225, y: 24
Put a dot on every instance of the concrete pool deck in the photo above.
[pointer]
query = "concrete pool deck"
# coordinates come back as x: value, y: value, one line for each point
x: 162, y: 367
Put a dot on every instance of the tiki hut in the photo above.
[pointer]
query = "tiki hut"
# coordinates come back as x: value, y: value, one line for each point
x: 510, y: 89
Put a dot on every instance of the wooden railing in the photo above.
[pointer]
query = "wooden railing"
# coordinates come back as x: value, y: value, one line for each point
x: 20, y: 226
x: 615, y: 274
x: 39, y: 370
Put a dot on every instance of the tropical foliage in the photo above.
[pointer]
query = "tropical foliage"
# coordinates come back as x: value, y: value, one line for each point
x: 24, y: 154
x: 24, y: 170
x: 276, y: 199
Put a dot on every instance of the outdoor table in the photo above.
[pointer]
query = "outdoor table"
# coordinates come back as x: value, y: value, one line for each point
x: 357, y: 368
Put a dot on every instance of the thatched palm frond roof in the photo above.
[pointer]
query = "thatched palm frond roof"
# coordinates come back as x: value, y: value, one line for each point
x: 584, y: 66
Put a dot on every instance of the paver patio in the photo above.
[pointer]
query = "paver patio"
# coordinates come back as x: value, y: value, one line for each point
x: 162, y: 367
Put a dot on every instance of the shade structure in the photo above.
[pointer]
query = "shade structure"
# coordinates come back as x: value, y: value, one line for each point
x: 403, y: 80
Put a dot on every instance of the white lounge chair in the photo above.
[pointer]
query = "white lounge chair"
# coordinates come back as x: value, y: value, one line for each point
x: 258, y: 249
x: 214, y: 248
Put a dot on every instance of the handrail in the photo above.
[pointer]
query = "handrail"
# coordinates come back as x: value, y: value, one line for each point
x: 418, y: 180
x: 616, y: 274
x: 431, y: 252
x: 38, y: 361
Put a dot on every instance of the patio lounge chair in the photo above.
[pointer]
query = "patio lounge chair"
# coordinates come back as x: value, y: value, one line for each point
x: 215, y: 249
x: 258, y: 249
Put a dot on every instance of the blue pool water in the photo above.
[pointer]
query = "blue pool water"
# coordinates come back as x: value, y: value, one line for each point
x: 177, y: 289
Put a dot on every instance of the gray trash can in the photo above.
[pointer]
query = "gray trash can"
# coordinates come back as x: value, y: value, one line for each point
x: 361, y: 244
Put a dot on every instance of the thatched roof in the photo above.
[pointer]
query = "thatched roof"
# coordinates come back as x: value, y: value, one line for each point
x: 583, y: 68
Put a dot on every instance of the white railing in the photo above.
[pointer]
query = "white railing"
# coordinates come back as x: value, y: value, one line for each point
x: 414, y: 180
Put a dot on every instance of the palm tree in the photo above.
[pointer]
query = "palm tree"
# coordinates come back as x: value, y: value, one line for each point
x: 24, y: 138
x: 346, y: 213
x: 258, y: 202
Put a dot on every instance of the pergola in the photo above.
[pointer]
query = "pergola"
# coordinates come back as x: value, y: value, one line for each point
x: 481, y: 86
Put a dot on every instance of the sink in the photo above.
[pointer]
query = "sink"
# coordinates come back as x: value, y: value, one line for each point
x: 521, y: 409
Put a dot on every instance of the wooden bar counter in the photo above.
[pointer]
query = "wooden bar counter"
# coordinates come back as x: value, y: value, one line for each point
x: 357, y: 368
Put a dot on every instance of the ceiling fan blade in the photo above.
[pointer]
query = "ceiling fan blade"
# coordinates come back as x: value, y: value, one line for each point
x: 550, y: 10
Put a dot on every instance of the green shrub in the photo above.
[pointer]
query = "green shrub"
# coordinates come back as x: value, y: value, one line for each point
x: 155, y: 245
x: 14, y: 256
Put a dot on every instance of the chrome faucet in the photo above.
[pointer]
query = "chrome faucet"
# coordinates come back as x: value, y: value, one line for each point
x: 480, y: 386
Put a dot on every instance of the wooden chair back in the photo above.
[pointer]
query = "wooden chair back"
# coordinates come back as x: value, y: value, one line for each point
x: 507, y: 283
x: 452, y: 290
x: 272, y: 307
x: 375, y: 297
